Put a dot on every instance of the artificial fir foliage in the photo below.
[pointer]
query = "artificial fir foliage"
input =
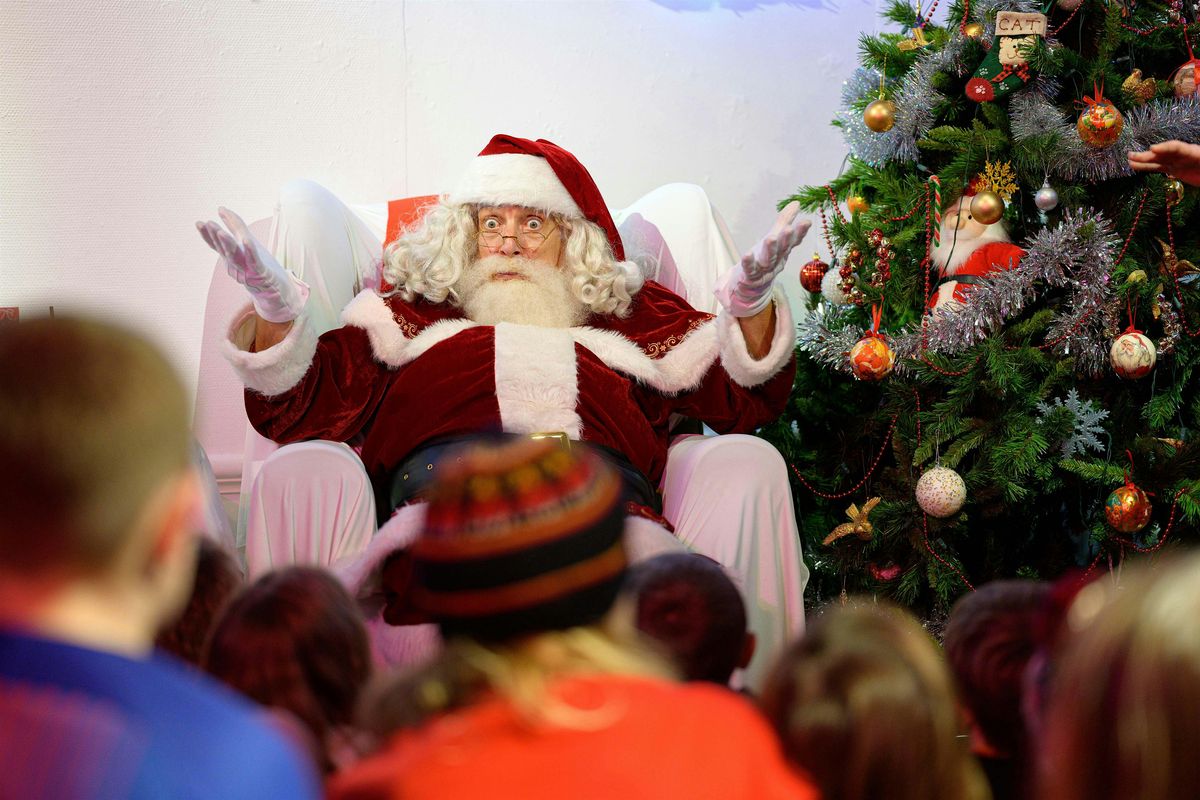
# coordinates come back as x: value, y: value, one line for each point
x: 1014, y: 390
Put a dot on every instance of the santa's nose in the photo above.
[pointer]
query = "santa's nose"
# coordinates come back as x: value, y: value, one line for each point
x: 962, y: 220
x: 509, y: 246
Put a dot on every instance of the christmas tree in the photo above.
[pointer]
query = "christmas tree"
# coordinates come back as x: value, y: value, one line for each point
x: 1038, y: 298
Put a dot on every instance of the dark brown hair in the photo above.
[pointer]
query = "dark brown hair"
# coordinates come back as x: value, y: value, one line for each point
x: 989, y: 641
x: 294, y: 640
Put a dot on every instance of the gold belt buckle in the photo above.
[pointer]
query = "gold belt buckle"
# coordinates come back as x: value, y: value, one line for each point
x: 560, y: 437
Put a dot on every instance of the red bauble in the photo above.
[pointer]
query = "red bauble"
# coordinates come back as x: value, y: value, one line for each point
x: 872, y: 359
x: 812, y: 273
x: 1127, y: 509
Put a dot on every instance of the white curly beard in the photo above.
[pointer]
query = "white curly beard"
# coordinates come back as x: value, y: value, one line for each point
x: 541, y: 296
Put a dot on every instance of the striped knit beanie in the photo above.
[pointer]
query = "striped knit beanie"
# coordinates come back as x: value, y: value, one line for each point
x: 518, y: 538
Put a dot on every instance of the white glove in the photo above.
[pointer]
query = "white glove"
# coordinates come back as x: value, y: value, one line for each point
x: 278, y: 295
x: 745, y: 289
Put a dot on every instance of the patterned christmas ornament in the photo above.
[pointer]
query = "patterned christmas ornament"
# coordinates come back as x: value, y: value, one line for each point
x: 1127, y: 509
x: 880, y: 115
x: 812, y: 273
x: 1100, y: 123
x: 871, y: 359
x: 831, y: 289
x: 1069, y: 5
x: 941, y: 492
x: 1005, y: 68
x: 1132, y: 355
x: 1184, y: 78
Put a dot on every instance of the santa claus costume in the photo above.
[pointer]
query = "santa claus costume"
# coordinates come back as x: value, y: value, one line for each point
x: 403, y: 377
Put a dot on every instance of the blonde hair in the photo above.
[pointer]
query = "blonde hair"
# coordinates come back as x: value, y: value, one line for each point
x: 430, y: 258
x: 864, y: 704
x: 521, y: 671
x: 93, y: 422
x: 1122, y: 718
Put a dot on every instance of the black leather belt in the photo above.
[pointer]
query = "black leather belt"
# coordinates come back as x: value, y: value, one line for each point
x: 408, y: 481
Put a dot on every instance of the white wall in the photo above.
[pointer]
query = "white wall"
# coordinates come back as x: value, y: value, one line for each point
x: 123, y: 122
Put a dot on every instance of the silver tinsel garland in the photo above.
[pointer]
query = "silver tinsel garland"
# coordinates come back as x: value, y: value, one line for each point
x: 827, y: 335
x: 1077, y: 254
x: 1032, y: 113
x: 1161, y: 120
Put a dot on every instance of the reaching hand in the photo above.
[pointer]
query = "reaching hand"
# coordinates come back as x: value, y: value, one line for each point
x: 1176, y: 158
x: 278, y: 295
x: 745, y: 290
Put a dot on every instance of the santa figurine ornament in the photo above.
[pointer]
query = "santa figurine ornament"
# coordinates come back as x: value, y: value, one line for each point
x: 968, y: 252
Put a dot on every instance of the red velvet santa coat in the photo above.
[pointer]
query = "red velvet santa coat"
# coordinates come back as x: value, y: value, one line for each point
x: 404, y: 374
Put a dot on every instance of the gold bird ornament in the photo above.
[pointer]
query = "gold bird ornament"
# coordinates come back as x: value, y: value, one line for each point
x: 1139, y: 90
x: 858, y: 525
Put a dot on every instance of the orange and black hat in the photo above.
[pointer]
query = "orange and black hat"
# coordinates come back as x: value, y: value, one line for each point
x: 518, y: 538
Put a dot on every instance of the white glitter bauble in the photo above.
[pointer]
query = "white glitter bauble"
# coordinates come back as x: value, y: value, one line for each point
x: 1132, y: 355
x: 1046, y: 199
x: 830, y: 289
x: 941, y: 492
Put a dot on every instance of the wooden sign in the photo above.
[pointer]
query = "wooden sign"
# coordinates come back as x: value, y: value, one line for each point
x: 1020, y: 23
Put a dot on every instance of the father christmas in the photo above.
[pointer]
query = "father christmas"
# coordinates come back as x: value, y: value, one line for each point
x: 510, y: 309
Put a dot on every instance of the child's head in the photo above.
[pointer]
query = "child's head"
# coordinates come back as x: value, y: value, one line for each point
x: 687, y: 603
x: 865, y: 704
x: 989, y: 641
x: 294, y: 640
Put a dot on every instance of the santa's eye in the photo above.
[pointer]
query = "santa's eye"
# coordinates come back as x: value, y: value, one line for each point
x: 533, y: 224
x: 490, y: 224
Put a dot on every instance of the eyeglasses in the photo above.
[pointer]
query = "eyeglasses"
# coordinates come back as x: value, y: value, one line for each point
x: 527, y: 239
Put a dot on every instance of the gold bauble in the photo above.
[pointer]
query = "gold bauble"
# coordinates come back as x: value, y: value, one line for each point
x: 1174, y: 190
x: 987, y: 208
x: 857, y: 204
x: 1137, y: 276
x: 880, y: 115
x: 973, y: 30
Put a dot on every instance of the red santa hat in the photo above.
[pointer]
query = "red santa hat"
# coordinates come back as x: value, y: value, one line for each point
x: 541, y: 175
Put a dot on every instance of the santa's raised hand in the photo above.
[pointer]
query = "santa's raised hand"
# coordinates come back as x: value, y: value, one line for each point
x: 277, y: 294
x: 745, y: 290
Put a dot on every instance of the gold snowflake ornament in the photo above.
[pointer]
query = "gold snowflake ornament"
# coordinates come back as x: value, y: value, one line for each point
x: 999, y: 177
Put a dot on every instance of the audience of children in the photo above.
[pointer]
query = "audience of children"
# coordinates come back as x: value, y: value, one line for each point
x: 294, y: 642
x: 540, y: 692
x: 864, y: 703
x: 562, y: 668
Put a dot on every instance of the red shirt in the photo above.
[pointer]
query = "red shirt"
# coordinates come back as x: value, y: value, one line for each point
x: 655, y: 739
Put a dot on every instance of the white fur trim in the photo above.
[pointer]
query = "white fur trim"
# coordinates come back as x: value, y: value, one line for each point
x: 735, y: 358
x: 276, y: 369
x: 514, y: 179
x: 389, y: 344
x: 680, y: 369
x: 537, y: 387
